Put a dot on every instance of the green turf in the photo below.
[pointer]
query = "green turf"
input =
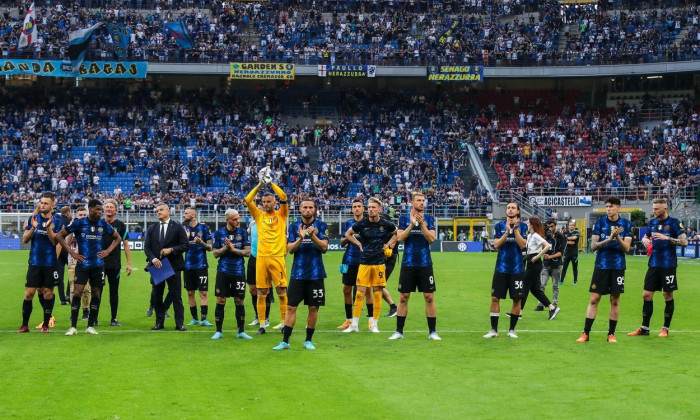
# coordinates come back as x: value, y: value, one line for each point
x: 131, y: 372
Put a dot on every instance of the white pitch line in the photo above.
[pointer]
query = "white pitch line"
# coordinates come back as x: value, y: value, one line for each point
x: 273, y: 332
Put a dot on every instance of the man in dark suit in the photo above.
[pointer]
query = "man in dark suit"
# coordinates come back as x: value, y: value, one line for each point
x: 167, y: 239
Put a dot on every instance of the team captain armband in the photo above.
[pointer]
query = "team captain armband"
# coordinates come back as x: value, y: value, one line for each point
x: 283, y: 201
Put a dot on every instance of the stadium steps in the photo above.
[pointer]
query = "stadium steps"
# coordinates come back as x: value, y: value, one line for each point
x: 681, y: 35
x: 313, y: 153
x: 574, y: 33
x: 466, y: 175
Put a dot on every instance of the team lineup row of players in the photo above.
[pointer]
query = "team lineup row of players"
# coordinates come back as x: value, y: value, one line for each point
x: 519, y: 266
x: 368, y: 240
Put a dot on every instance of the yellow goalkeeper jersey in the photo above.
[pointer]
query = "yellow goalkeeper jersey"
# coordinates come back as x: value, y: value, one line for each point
x: 272, y: 227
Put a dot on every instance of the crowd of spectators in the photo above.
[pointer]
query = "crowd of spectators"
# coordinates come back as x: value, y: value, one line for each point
x: 488, y: 32
x: 203, y: 147
x: 589, y: 152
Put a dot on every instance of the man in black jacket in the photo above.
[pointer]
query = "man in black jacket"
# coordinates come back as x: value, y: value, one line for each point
x: 552, y: 261
x: 167, y: 240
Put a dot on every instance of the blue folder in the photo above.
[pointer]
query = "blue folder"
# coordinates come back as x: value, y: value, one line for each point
x: 158, y: 275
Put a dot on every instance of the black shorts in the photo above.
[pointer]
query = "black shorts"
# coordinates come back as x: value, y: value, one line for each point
x: 416, y: 278
x: 608, y: 282
x: 95, y: 275
x: 112, y: 274
x: 197, y: 279
x: 312, y: 292
x: 514, y: 284
x: 250, y: 272
x: 659, y: 278
x: 229, y: 285
x: 41, y: 277
x: 350, y: 277
x: 389, y: 268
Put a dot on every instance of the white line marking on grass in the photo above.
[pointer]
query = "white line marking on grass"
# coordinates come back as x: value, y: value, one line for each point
x: 273, y: 332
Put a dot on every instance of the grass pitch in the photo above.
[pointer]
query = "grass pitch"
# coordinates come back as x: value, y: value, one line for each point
x: 131, y: 372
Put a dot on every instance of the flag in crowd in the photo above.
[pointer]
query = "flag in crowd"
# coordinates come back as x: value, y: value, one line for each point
x: 78, y: 42
x: 29, y: 32
x: 179, y: 31
x: 120, y: 38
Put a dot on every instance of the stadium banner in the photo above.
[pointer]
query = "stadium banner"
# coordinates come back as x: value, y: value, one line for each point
x: 88, y: 69
x: 456, y: 73
x: 462, y: 246
x: 343, y: 70
x: 11, y: 244
x: 562, y: 201
x: 280, y: 71
x: 690, y: 251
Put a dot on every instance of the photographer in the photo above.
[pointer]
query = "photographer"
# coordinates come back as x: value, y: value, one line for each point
x: 552, y: 261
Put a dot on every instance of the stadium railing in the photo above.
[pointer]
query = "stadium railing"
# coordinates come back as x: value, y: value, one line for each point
x: 600, y: 194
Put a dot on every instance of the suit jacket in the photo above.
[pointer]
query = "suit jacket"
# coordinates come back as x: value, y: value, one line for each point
x: 175, y: 238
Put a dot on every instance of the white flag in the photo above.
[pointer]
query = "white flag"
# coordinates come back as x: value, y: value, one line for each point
x: 29, y: 33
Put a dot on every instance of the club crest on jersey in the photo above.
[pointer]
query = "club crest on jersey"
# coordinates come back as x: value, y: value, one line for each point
x: 100, y: 230
x: 381, y: 228
x: 239, y: 237
x: 667, y: 227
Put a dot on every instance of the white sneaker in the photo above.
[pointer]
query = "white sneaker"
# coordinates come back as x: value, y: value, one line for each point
x: 512, y: 334
x: 278, y: 326
x: 72, y: 331
x: 255, y: 322
x: 352, y: 328
x: 267, y: 324
x: 491, y: 334
x: 91, y: 330
x: 433, y: 336
x: 396, y: 336
x: 374, y: 328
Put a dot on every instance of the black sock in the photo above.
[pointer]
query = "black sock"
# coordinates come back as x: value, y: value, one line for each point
x: 400, y: 322
x: 348, y: 311
x: 370, y: 309
x: 494, y: 322
x: 27, y: 306
x: 286, y: 333
x: 612, y: 327
x: 647, y: 311
x: 267, y: 307
x: 668, y: 313
x: 254, y: 302
x: 240, y: 317
x: 205, y: 311
x: 94, y: 310
x: 588, y: 325
x: 48, y: 309
x: 219, y: 316
x: 392, y: 306
x: 193, y: 311
x: 42, y: 302
x: 432, y: 321
x: 309, y: 333
x: 513, y: 321
x: 74, y: 311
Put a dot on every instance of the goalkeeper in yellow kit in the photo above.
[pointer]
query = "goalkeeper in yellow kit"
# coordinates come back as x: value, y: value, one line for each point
x: 272, y: 245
